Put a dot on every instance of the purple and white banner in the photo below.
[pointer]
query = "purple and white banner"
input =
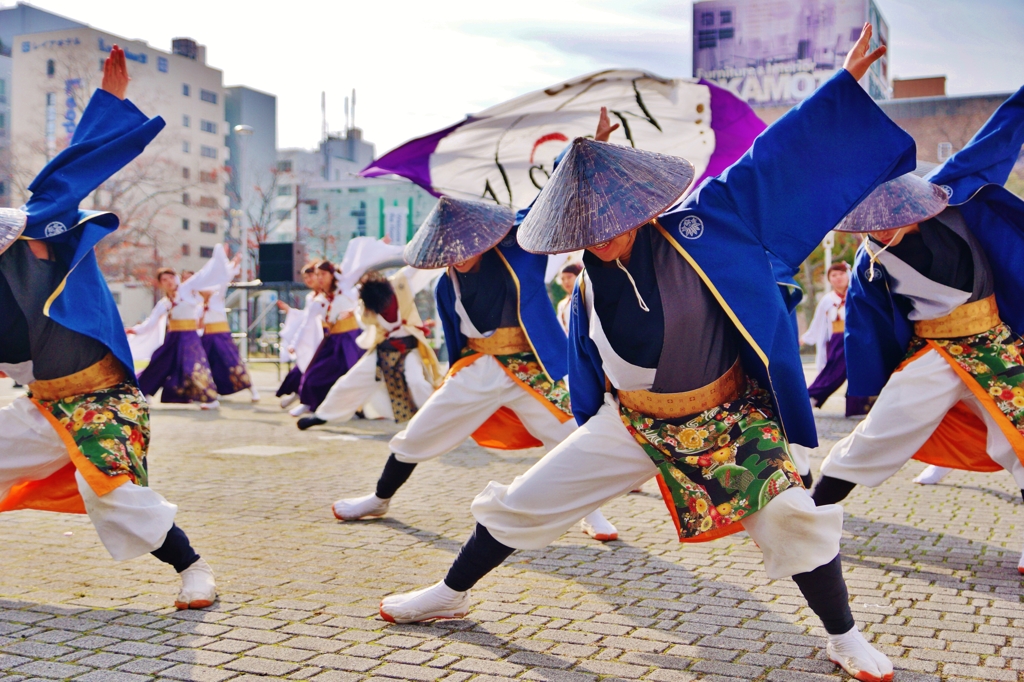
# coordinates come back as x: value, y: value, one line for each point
x: 505, y: 153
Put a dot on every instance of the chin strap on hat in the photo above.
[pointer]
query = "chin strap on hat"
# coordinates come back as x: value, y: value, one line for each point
x: 639, y: 298
x: 874, y: 256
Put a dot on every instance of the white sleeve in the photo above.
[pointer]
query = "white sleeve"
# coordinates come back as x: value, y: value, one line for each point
x: 214, y: 273
x: 419, y: 279
x: 162, y: 307
x: 813, y: 335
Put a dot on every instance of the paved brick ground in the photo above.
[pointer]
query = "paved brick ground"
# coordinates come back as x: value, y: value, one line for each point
x: 930, y: 569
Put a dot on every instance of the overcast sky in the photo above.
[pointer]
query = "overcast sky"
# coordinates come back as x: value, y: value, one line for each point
x: 419, y: 66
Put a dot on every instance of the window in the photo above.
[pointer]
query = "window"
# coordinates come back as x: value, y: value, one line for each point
x: 206, y: 252
x: 945, y: 150
x: 707, y: 18
x: 51, y: 68
x: 725, y: 17
x: 706, y: 39
x: 186, y: 90
x: 208, y: 152
x: 284, y: 191
x: 210, y: 228
x: 725, y: 33
x: 208, y: 96
x: 205, y: 176
x: 283, y: 214
x: 186, y: 250
x: 161, y: 64
x: 3, y: 188
x: 186, y: 199
x: 314, y: 207
x: 186, y: 120
x: 209, y: 202
x: 117, y: 297
x: 184, y: 223
x: 186, y: 147
x: 208, y: 127
x: 284, y: 166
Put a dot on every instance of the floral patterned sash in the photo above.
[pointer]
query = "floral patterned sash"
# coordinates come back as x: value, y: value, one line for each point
x: 527, y: 370
x: 719, y: 466
x: 110, y: 427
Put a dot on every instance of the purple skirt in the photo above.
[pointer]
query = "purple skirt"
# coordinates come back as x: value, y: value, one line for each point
x: 832, y: 376
x: 229, y: 372
x: 291, y: 382
x: 179, y: 367
x: 334, y: 356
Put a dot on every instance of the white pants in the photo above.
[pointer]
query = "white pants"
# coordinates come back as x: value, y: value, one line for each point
x: 130, y: 520
x: 601, y: 461
x: 359, y: 386
x: 907, y: 412
x: 463, y: 403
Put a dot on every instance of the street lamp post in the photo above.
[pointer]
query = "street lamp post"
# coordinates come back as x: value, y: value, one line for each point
x: 244, y: 132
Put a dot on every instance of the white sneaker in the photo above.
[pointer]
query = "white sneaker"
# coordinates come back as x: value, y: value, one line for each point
x: 299, y: 411
x: 356, y: 508
x: 932, y: 475
x: 430, y: 603
x: 198, y: 589
x: 288, y: 400
x: 598, y: 527
x: 210, y: 406
x: 254, y: 394
x: 852, y: 653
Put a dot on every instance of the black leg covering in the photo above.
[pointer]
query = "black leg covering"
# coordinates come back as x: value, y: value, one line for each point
x: 479, y: 556
x: 395, y: 475
x: 831, y: 490
x: 176, y: 550
x: 808, y: 480
x: 1022, y: 494
x: 825, y: 592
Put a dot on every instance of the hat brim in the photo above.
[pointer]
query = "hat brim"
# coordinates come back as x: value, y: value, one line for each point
x: 455, y: 231
x: 904, y: 201
x: 12, y: 226
x: 599, y: 192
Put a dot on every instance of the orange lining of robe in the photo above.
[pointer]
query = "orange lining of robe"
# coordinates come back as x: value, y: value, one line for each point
x: 503, y: 430
x: 960, y: 441
x: 58, y: 492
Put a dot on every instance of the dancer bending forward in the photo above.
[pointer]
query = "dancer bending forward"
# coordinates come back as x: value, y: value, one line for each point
x: 77, y: 442
x: 673, y: 325
x: 506, y: 385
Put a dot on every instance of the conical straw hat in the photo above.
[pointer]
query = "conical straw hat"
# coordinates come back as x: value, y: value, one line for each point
x: 456, y: 230
x: 904, y: 201
x: 600, y: 191
x: 12, y: 224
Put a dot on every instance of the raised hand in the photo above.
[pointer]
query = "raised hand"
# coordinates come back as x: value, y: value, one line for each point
x: 859, y: 59
x: 604, y: 127
x: 115, y: 73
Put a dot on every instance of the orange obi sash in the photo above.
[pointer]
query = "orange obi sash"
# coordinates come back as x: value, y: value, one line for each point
x: 504, y: 341
x: 724, y: 389
x: 106, y: 373
x: 345, y: 324
x: 838, y: 326
x: 182, y: 325
x: 967, y: 320
x: 217, y: 328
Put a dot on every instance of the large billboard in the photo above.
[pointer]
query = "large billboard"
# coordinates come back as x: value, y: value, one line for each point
x: 777, y: 52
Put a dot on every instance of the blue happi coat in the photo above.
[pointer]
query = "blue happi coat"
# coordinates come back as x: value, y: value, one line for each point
x: 110, y: 134
x: 800, y: 177
x: 877, y: 329
x: 536, y: 314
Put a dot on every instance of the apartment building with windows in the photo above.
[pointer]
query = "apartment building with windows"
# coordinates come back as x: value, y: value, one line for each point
x: 171, y: 200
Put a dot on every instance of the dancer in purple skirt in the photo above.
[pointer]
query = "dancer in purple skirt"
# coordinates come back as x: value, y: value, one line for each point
x: 826, y: 334
x: 230, y: 373
x: 180, y: 366
x: 300, y: 336
x: 338, y: 351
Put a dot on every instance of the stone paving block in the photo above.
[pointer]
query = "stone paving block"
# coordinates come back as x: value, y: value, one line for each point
x: 197, y: 673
